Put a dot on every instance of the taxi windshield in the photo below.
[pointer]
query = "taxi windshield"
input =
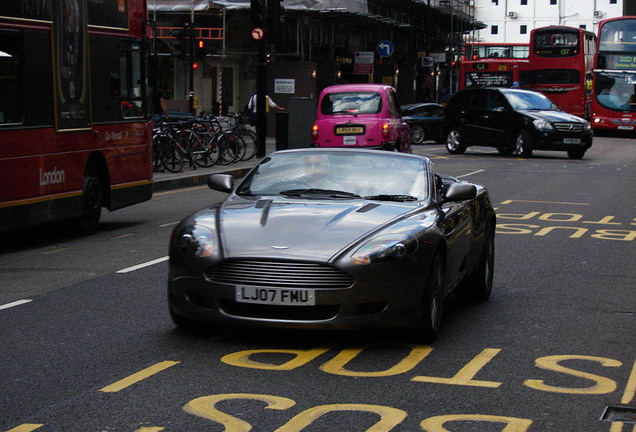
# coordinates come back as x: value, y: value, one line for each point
x: 351, y: 103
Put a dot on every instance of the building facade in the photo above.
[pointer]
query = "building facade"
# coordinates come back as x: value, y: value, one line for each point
x: 512, y: 20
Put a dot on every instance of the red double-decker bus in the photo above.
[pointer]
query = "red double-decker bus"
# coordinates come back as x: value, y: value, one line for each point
x: 561, y: 61
x: 492, y: 64
x: 75, y: 131
x: 614, y: 101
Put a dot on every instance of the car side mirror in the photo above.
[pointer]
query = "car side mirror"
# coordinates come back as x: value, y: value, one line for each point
x: 460, y: 192
x: 221, y: 182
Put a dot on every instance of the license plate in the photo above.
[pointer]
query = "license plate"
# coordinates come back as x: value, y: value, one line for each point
x: 349, y: 130
x: 275, y: 296
x: 349, y: 141
x: 626, y: 127
x: 571, y: 140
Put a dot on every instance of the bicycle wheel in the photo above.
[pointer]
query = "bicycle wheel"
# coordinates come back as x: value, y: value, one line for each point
x: 206, y: 153
x: 173, y: 158
x: 249, y: 141
x: 157, y: 153
x: 227, y: 145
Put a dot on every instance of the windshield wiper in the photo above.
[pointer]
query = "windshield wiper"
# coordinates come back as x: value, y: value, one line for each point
x: 331, y: 193
x: 399, y: 198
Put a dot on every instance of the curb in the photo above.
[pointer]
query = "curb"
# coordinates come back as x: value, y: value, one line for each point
x: 193, y: 180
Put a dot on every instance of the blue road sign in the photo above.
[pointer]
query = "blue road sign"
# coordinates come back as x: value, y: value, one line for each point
x: 385, y: 48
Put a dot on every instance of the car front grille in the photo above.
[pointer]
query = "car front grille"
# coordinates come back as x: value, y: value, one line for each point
x: 282, y: 274
x: 568, y: 127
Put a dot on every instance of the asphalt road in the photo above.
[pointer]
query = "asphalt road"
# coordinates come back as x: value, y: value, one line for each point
x: 87, y: 343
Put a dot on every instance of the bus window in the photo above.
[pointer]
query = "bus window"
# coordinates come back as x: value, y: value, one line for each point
x: 130, y: 83
x: 11, y: 60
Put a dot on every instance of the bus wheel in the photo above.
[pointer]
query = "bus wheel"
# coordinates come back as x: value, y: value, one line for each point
x: 91, y: 202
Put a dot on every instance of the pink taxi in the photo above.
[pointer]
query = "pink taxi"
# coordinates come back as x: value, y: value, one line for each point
x: 360, y: 115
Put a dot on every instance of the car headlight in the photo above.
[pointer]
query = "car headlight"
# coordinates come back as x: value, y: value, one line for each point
x: 587, y: 126
x: 542, y: 125
x: 384, y: 248
x: 197, y: 240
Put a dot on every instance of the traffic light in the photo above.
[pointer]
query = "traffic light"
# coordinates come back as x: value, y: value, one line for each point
x: 258, y: 14
x: 180, y: 42
x: 200, y: 50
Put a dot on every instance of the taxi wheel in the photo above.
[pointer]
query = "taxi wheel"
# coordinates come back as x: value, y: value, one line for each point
x: 523, y: 144
x: 418, y: 135
x: 454, y: 142
x: 432, y: 302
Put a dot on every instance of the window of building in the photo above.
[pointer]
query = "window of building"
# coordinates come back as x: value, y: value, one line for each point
x: 523, y: 29
x: 524, y: 2
x: 494, y: 29
x: 553, y: 2
x: 496, y: 2
x: 583, y: 26
x: 612, y: 1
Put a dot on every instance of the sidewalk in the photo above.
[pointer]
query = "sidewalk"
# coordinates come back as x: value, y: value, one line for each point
x: 194, y: 177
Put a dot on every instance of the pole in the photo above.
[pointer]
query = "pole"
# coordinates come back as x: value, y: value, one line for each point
x: 261, y: 76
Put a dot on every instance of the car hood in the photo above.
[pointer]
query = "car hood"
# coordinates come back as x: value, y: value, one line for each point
x: 553, y: 116
x: 299, y: 228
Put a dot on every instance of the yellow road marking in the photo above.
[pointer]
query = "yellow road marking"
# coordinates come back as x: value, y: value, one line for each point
x: 139, y: 376
x: 544, y: 202
x: 26, y: 428
x: 55, y: 251
x: 122, y: 236
x: 150, y: 429
x: 630, y: 389
x: 168, y: 224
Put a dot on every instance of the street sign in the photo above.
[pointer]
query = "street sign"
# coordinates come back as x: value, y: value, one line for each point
x: 365, y: 57
x: 427, y: 61
x: 257, y: 33
x: 363, y: 68
x: 385, y: 48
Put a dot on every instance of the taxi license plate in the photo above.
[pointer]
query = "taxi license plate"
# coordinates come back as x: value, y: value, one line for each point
x: 349, y: 141
x: 571, y: 140
x: 349, y: 130
x: 626, y: 127
x: 275, y: 296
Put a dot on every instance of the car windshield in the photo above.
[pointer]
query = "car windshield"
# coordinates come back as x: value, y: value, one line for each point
x: 351, y: 103
x: 524, y: 100
x: 321, y: 174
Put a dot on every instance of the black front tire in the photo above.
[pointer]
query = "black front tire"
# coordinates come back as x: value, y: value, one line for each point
x: 576, y: 154
x: 523, y: 144
x: 479, y: 287
x: 418, y: 134
x: 92, y: 202
x: 432, y: 305
x: 455, y: 142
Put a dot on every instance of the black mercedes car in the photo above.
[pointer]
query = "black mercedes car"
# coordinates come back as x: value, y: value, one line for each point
x: 513, y: 121
x: 333, y: 239
x: 425, y: 120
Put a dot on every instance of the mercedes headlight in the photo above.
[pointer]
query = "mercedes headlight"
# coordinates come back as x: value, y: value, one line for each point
x: 587, y: 126
x: 196, y: 240
x: 542, y: 125
x: 385, y: 248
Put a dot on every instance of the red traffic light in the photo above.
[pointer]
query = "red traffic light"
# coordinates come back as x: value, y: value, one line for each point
x: 195, y: 65
x: 201, y: 45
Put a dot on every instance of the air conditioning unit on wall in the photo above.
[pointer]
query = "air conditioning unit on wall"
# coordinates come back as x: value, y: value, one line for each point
x: 512, y: 15
x: 598, y: 13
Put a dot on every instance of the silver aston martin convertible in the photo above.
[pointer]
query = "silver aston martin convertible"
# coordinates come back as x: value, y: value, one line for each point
x: 333, y: 239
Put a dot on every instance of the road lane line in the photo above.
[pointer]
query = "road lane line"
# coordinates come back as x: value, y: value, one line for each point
x: 630, y: 389
x: 471, y: 173
x: 168, y: 224
x: 146, y: 264
x: 26, y: 427
x: 139, y: 376
x: 122, y: 236
x: 544, y: 202
x: 55, y: 251
x: 15, y: 303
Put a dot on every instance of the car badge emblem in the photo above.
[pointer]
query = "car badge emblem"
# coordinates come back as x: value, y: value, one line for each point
x: 280, y: 247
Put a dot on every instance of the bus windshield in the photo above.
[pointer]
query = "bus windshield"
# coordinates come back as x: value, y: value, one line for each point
x: 618, y: 36
x: 556, y: 44
x: 616, y: 91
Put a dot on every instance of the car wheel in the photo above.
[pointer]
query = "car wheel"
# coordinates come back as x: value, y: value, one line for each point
x: 418, y: 135
x: 479, y: 286
x: 91, y: 203
x: 576, y: 154
x: 432, y: 305
x: 506, y: 151
x: 454, y: 141
x: 523, y: 144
